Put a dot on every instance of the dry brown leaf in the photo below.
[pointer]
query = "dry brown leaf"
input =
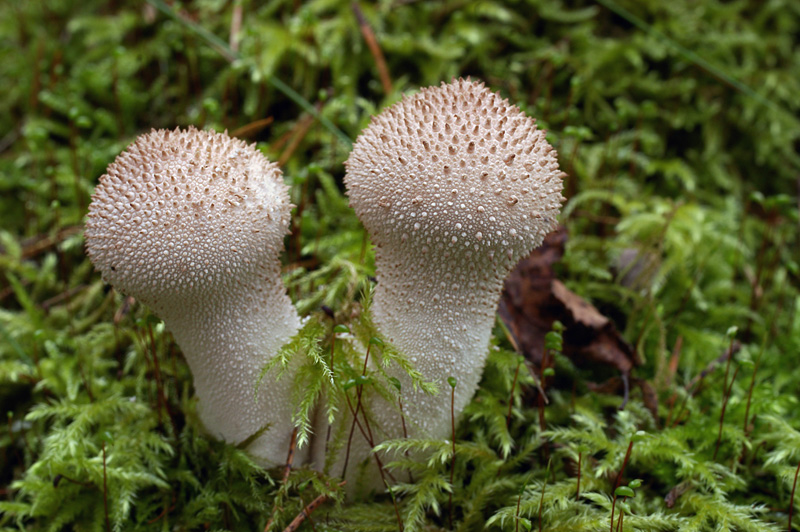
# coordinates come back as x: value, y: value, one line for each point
x: 533, y: 299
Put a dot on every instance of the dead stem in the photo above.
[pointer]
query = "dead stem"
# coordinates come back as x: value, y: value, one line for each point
x: 306, y: 512
x: 374, y: 48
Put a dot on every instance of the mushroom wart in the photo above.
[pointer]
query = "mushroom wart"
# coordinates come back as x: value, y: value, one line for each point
x: 454, y: 185
x: 191, y: 223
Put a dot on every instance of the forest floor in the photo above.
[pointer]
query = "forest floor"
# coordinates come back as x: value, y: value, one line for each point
x: 649, y: 379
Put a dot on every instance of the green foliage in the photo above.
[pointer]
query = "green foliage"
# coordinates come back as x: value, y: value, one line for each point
x: 677, y: 124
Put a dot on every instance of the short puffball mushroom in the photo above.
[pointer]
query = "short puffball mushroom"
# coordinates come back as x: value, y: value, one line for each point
x: 454, y: 186
x: 191, y: 223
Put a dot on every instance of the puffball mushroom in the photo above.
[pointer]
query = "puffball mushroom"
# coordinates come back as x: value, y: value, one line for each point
x: 191, y: 223
x: 454, y: 186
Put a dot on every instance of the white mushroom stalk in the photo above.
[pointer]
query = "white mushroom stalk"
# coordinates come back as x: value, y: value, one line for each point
x: 454, y: 185
x: 191, y: 223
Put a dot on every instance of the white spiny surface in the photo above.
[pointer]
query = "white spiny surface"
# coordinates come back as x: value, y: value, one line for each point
x: 454, y: 185
x: 191, y: 223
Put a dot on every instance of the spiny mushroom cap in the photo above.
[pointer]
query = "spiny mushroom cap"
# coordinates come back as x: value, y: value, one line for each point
x: 183, y: 211
x: 455, y: 170
x: 454, y: 185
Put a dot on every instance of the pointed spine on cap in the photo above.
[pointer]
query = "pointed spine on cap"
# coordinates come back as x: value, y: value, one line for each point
x: 454, y: 185
x: 191, y: 223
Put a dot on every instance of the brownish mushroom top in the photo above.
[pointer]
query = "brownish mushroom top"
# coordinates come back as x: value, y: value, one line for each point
x: 183, y: 213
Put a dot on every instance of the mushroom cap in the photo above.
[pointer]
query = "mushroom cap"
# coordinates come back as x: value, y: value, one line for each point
x: 459, y: 169
x: 181, y: 211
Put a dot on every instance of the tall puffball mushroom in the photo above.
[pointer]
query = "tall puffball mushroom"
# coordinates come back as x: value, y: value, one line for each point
x: 454, y: 185
x: 191, y: 223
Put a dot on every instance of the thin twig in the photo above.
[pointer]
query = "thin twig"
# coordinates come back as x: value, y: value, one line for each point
x: 306, y: 512
x: 368, y: 436
x: 374, y: 48
x: 105, y: 490
x: 236, y: 26
x: 358, y: 408
x: 618, y: 481
x: 726, y: 395
x: 31, y: 247
x: 286, y: 470
x: 248, y: 130
x: 290, y: 457
x: 167, y: 508
x: 298, y: 134
x: 453, y: 441
x: 791, y: 499
x: 63, y: 296
x: 58, y: 478
x: 366, y: 431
